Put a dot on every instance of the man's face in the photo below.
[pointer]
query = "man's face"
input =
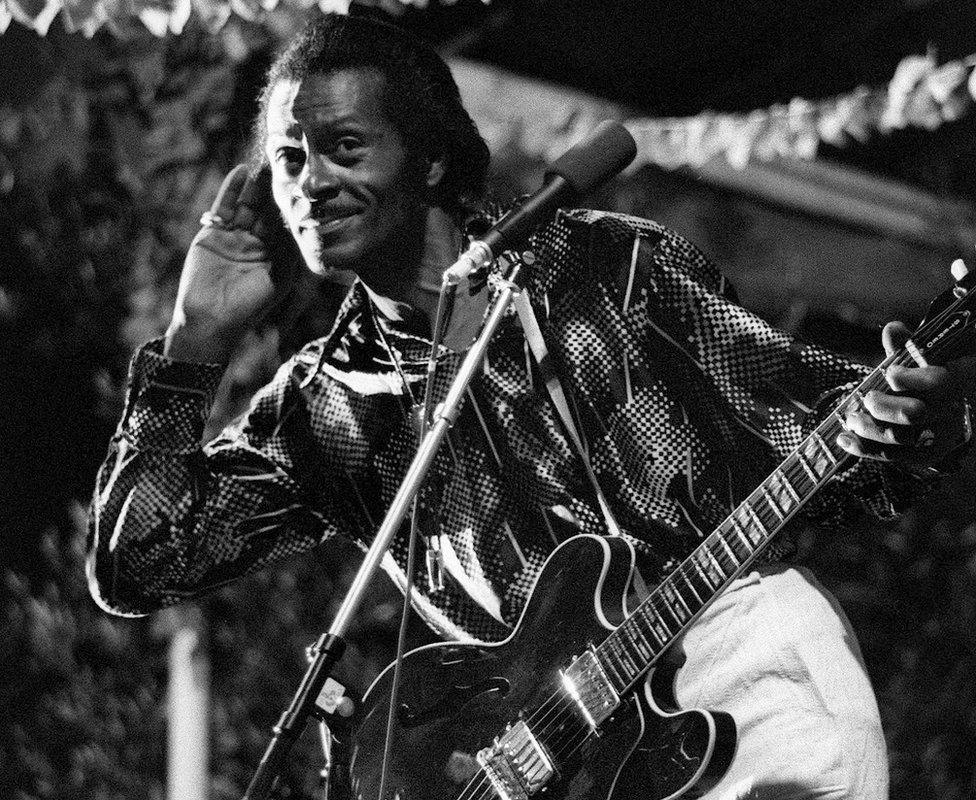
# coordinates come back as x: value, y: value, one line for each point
x: 346, y: 186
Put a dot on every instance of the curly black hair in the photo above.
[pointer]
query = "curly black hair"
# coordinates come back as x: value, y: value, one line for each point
x: 420, y: 97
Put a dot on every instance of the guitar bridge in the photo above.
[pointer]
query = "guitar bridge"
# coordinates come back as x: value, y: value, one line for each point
x: 516, y: 763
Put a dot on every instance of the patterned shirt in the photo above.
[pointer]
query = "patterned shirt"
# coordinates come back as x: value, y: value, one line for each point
x: 685, y: 402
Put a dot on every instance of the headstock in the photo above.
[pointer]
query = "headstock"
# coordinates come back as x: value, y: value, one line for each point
x: 948, y: 330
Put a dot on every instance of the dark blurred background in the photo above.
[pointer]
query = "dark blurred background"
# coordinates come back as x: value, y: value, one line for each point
x: 112, y: 145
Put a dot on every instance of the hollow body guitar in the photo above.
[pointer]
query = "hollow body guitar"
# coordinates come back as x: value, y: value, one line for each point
x: 576, y: 704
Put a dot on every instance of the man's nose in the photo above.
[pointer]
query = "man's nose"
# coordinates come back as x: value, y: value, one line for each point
x: 319, y: 177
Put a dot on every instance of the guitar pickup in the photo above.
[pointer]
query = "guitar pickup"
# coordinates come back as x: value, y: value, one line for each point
x: 588, y: 685
x: 516, y: 763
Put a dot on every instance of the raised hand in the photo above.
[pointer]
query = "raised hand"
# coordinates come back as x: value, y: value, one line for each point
x: 226, y: 285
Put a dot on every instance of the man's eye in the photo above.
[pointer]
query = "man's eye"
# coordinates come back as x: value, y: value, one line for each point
x: 348, y: 144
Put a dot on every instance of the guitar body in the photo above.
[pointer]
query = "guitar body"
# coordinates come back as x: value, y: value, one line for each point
x: 508, y: 701
x: 455, y: 699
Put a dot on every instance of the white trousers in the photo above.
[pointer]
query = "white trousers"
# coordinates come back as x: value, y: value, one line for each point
x: 777, y: 652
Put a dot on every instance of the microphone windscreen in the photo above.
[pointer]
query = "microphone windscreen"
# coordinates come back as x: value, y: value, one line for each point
x: 606, y: 150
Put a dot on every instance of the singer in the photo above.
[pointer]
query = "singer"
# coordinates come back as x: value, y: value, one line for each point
x: 685, y: 403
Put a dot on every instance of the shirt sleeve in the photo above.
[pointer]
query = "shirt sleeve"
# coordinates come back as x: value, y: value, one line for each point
x: 172, y: 518
x: 780, y: 388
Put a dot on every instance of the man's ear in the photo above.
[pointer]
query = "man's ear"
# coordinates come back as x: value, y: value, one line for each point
x: 436, y: 169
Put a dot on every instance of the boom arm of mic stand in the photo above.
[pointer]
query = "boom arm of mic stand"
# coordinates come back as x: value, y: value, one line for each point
x: 330, y: 645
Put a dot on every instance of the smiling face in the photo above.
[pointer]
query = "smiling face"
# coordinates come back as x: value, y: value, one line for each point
x: 346, y: 186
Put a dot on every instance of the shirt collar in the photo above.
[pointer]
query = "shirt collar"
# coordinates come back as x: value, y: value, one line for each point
x: 355, y: 339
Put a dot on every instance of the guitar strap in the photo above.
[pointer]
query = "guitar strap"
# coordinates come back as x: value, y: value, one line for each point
x: 537, y: 344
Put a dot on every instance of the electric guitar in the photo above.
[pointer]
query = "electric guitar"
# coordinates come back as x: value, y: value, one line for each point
x: 560, y: 708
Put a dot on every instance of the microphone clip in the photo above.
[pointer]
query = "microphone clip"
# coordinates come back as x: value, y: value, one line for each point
x: 478, y: 256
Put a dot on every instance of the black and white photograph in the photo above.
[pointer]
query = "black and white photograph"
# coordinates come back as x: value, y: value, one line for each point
x: 487, y: 400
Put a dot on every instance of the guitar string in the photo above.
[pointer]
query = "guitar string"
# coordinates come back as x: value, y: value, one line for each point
x: 832, y: 426
x: 724, y: 560
x: 552, y: 713
x: 791, y: 472
x: 688, y: 571
x: 564, y: 709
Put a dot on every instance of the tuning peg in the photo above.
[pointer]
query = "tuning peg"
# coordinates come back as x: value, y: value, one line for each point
x: 959, y: 269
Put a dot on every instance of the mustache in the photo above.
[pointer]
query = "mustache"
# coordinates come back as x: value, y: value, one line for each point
x: 322, y: 211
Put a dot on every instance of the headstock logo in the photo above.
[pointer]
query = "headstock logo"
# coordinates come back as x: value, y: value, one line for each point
x: 957, y: 323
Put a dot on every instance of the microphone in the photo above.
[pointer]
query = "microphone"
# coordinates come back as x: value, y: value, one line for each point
x: 601, y: 155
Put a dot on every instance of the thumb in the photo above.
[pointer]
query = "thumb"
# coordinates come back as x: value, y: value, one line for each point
x: 894, y: 336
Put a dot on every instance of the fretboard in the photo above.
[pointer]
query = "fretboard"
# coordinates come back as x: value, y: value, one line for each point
x: 729, y: 550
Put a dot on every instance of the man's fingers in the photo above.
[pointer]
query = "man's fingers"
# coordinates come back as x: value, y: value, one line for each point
x: 921, y: 419
x: 893, y: 337
x: 255, y: 203
x: 256, y: 190
x: 225, y: 203
x: 863, y: 448
x: 931, y: 381
x: 895, y: 410
x: 869, y: 428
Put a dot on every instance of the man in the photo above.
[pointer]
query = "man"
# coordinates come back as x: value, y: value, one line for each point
x: 685, y: 400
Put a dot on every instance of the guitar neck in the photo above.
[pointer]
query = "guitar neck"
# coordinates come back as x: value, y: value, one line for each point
x: 948, y: 331
x: 729, y: 550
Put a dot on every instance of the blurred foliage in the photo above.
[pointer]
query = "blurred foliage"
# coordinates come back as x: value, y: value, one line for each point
x: 104, y: 168
x: 909, y: 588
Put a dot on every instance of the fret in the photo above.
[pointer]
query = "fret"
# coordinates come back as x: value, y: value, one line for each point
x: 658, y: 628
x: 740, y: 531
x: 784, y: 500
x: 677, y: 605
x: 643, y: 624
x: 773, y: 506
x: 790, y: 488
x: 707, y: 561
x: 715, y: 561
x: 854, y: 401
x: 624, y: 656
x: 610, y: 663
x: 702, y: 572
x: 634, y: 655
x: 703, y: 589
x: 808, y: 469
x: 669, y: 619
x: 814, y: 454
x: 641, y: 645
x: 648, y: 644
x: 616, y: 671
x: 764, y: 531
x: 912, y: 349
x: 694, y: 591
x: 823, y: 446
x: 799, y: 484
x: 732, y: 556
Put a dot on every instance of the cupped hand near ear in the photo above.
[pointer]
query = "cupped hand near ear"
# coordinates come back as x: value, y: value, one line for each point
x: 226, y: 283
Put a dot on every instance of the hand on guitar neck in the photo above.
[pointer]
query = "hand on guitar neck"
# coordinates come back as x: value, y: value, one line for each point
x: 922, y: 417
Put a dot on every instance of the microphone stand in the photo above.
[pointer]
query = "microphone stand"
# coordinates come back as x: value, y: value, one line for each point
x: 330, y: 645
